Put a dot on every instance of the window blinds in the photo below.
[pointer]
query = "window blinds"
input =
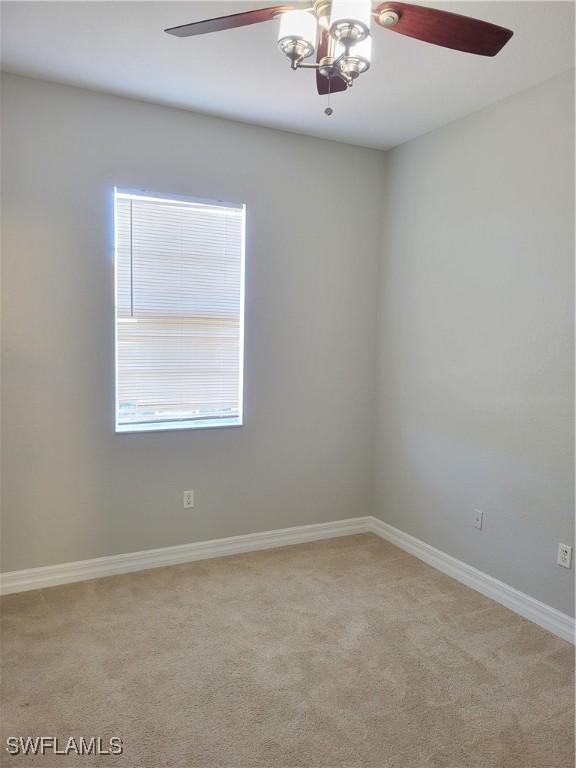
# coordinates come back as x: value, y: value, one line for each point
x: 179, y: 313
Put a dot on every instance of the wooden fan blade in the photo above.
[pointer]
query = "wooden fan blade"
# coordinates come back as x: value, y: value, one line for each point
x: 326, y: 85
x: 243, y: 19
x: 449, y: 30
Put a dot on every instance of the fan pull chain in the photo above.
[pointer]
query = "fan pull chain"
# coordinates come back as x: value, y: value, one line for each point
x: 329, y: 111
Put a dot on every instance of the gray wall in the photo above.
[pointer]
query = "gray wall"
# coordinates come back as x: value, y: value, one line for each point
x: 476, y: 350
x: 72, y: 489
x: 470, y: 232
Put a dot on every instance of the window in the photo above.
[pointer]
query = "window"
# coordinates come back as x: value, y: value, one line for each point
x: 179, y: 312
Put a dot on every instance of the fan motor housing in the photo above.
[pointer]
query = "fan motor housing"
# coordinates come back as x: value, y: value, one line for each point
x: 322, y: 12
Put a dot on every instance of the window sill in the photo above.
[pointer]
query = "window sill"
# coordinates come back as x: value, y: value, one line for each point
x: 176, y: 426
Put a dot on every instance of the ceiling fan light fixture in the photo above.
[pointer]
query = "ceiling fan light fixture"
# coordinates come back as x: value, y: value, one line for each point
x: 350, y: 20
x: 357, y: 60
x: 340, y: 31
x: 297, y: 34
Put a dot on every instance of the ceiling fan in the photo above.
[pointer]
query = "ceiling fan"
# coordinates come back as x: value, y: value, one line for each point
x: 339, y: 32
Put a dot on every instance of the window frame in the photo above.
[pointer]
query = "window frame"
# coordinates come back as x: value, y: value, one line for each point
x: 184, y: 424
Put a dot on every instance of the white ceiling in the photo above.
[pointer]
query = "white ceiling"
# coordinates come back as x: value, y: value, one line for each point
x: 411, y: 88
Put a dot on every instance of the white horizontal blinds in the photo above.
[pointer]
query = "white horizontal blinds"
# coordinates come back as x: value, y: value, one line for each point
x: 179, y: 303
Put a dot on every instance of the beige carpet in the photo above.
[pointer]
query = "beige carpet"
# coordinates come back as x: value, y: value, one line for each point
x: 340, y: 654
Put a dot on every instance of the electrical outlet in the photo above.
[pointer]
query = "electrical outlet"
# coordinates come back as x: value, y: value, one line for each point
x: 478, y: 519
x: 564, y: 556
x: 188, y: 499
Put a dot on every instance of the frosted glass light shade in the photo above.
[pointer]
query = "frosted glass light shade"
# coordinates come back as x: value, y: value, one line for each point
x: 297, y: 34
x: 350, y: 20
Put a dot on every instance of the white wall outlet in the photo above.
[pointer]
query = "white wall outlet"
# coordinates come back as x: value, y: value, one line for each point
x: 478, y: 518
x: 564, y: 556
x: 188, y: 499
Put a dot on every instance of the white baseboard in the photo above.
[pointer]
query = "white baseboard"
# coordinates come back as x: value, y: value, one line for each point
x: 52, y: 575
x: 549, y: 618
x: 82, y: 570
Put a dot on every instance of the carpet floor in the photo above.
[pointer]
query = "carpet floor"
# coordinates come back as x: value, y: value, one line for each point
x: 345, y: 653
